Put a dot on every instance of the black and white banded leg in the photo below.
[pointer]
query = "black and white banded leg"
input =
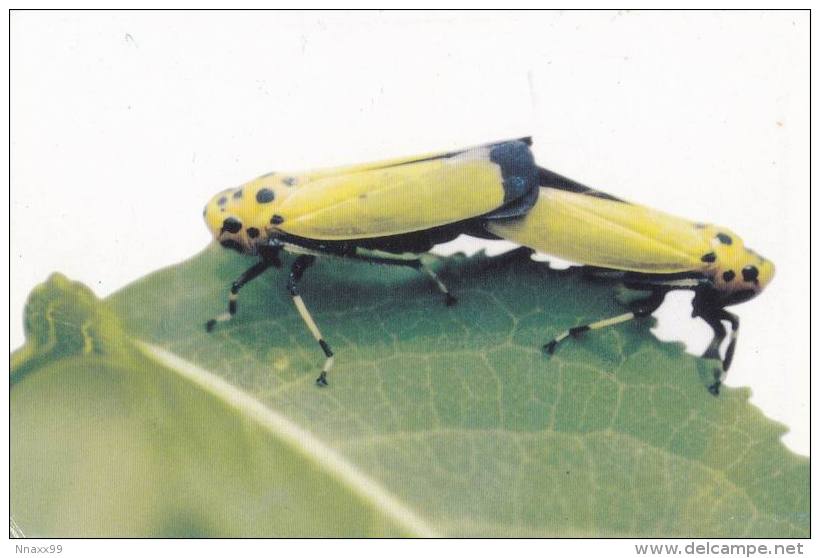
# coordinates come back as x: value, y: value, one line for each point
x: 296, y: 271
x: 714, y: 319
x: 449, y: 299
x: 638, y: 309
x: 250, y: 274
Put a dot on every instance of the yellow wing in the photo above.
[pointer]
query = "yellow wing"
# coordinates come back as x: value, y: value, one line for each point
x: 405, y: 195
x: 607, y: 233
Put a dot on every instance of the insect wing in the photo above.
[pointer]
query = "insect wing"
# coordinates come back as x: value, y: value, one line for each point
x: 609, y: 233
x: 406, y: 195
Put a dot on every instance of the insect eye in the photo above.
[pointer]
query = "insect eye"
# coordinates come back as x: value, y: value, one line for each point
x: 750, y: 273
x: 232, y: 225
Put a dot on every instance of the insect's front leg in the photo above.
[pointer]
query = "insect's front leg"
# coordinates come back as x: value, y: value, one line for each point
x: 730, y: 350
x: 296, y: 271
x: 249, y: 275
x: 715, y: 320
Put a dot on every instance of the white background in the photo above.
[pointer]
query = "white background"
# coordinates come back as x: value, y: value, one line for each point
x: 124, y: 124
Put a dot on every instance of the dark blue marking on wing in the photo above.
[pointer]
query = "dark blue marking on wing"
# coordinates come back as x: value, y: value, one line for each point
x: 520, y: 175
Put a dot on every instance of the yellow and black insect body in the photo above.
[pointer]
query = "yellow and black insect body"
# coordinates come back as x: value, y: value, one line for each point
x: 388, y: 212
x: 647, y: 249
x: 393, y: 211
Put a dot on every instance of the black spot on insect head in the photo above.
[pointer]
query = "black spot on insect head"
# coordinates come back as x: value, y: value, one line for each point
x: 277, y: 220
x: 728, y: 275
x: 232, y: 225
x: 265, y: 195
x: 231, y: 245
x: 289, y: 181
x: 700, y: 226
x: 709, y: 257
x: 222, y: 201
x: 253, y: 232
x: 237, y: 194
x: 750, y: 273
x: 724, y: 238
x: 205, y: 211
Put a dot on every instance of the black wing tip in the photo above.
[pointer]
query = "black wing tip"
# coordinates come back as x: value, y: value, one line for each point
x: 551, y: 179
x: 526, y: 140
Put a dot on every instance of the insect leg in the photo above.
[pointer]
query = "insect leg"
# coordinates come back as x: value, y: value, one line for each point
x: 638, y: 309
x: 297, y: 269
x: 713, y: 350
x: 730, y: 350
x: 416, y: 261
x: 449, y: 299
x: 714, y: 319
x: 250, y: 274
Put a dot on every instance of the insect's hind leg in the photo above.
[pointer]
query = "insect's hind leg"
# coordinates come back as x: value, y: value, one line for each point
x: 638, y: 309
x: 249, y: 275
x: 296, y: 271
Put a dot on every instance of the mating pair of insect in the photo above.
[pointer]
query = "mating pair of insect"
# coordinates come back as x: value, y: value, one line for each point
x: 392, y: 212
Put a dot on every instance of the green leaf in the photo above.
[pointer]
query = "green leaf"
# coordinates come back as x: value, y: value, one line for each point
x: 128, y: 419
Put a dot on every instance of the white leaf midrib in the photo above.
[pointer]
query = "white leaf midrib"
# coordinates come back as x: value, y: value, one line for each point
x: 297, y: 437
